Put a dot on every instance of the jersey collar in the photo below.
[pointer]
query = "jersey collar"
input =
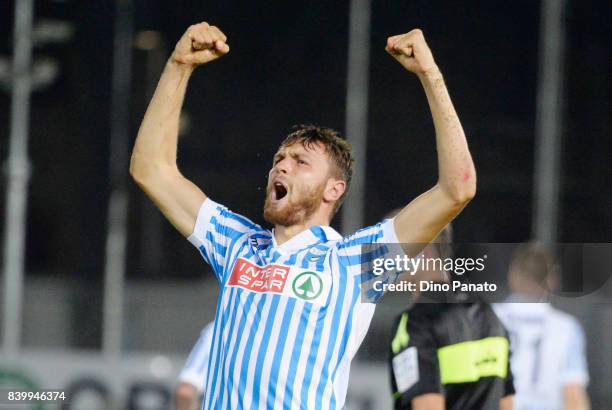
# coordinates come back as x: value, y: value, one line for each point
x: 311, y: 236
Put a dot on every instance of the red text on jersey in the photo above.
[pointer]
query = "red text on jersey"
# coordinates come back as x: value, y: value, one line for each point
x: 270, y: 278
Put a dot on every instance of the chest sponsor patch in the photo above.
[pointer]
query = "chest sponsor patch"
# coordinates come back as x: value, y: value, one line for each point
x: 304, y: 284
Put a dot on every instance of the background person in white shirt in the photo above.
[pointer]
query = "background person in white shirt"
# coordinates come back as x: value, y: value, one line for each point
x: 548, y: 346
x: 192, y: 379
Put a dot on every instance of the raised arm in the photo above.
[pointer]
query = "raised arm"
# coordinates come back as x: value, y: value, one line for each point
x: 153, y: 164
x: 422, y: 219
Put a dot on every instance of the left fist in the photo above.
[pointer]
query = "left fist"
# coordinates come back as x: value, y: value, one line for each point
x: 411, y: 51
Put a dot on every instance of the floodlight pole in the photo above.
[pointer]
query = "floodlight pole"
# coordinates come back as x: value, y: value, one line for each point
x: 353, y: 212
x: 549, y: 124
x: 116, y: 238
x: 18, y: 171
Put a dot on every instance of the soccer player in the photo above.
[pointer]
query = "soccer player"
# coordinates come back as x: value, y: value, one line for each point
x: 451, y: 351
x: 548, y: 346
x: 289, y: 316
x: 192, y: 379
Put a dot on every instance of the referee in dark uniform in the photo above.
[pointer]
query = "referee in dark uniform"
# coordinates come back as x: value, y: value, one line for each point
x: 449, y: 350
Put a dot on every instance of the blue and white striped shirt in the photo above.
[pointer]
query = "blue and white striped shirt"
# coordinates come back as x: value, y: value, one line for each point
x: 289, y: 318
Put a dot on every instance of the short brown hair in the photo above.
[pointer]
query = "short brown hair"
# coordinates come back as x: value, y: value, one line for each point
x: 338, y: 149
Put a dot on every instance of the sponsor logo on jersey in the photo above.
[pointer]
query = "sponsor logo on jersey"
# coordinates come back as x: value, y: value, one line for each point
x: 270, y: 278
x: 307, y: 285
x: 316, y: 253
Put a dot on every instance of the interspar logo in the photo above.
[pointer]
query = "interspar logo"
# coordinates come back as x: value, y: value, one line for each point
x: 270, y: 278
x: 290, y: 281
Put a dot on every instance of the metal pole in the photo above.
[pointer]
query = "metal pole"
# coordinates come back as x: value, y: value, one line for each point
x: 116, y: 239
x: 18, y: 177
x: 357, y: 111
x: 548, y: 121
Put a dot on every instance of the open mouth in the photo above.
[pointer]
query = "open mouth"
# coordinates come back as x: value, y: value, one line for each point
x: 280, y: 191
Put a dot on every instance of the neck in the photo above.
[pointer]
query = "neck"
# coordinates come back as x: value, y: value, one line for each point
x: 284, y: 233
x: 531, y: 294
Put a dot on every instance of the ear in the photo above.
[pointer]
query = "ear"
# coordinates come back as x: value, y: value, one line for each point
x: 334, y: 188
x: 513, y: 281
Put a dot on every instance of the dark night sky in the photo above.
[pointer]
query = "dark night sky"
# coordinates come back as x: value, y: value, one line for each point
x: 288, y: 66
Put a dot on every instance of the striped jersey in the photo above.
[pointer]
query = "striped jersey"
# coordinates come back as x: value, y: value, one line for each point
x: 289, y: 317
x: 194, y: 371
x: 548, y: 352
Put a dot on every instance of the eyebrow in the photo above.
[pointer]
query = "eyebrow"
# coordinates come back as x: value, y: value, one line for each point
x: 293, y: 155
x: 299, y: 155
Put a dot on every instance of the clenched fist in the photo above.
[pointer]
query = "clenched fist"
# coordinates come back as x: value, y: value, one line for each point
x: 411, y: 51
x: 200, y: 44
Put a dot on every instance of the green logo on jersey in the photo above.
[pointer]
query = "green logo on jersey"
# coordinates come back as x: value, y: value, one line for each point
x: 307, y: 285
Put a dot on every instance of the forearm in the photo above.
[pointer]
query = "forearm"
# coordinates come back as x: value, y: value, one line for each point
x: 506, y: 403
x: 156, y: 143
x: 423, y: 218
x: 186, y: 397
x: 456, y: 173
x: 575, y: 397
x: 153, y: 164
x: 581, y: 403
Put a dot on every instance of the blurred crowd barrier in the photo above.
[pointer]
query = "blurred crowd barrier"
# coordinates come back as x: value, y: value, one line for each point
x: 144, y: 380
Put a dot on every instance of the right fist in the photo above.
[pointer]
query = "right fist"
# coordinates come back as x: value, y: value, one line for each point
x: 200, y: 44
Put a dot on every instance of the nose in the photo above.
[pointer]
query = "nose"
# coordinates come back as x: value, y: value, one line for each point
x: 282, y: 166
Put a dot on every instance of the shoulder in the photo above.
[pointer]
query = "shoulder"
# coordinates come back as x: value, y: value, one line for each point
x: 221, y: 214
x: 567, y: 322
x: 425, y: 317
x: 208, y: 330
x: 500, y: 308
x: 416, y: 327
x: 428, y: 311
x: 382, y: 231
x: 217, y: 221
x: 496, y: 326
x: 368, y: 244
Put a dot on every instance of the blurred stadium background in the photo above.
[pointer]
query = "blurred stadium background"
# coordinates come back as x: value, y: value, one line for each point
x: 94, y: 66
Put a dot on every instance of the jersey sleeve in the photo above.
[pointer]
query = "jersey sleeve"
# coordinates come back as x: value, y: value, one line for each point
x: 216, y: 232
x: 359, y: 254
x: 509, y: 380
x: 195, y: 369
x: 574, y: 366
x: 414, y: 360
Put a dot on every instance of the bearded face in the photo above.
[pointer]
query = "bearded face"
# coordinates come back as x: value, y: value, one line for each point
x: 296, y: 184
x: 290, y: 203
